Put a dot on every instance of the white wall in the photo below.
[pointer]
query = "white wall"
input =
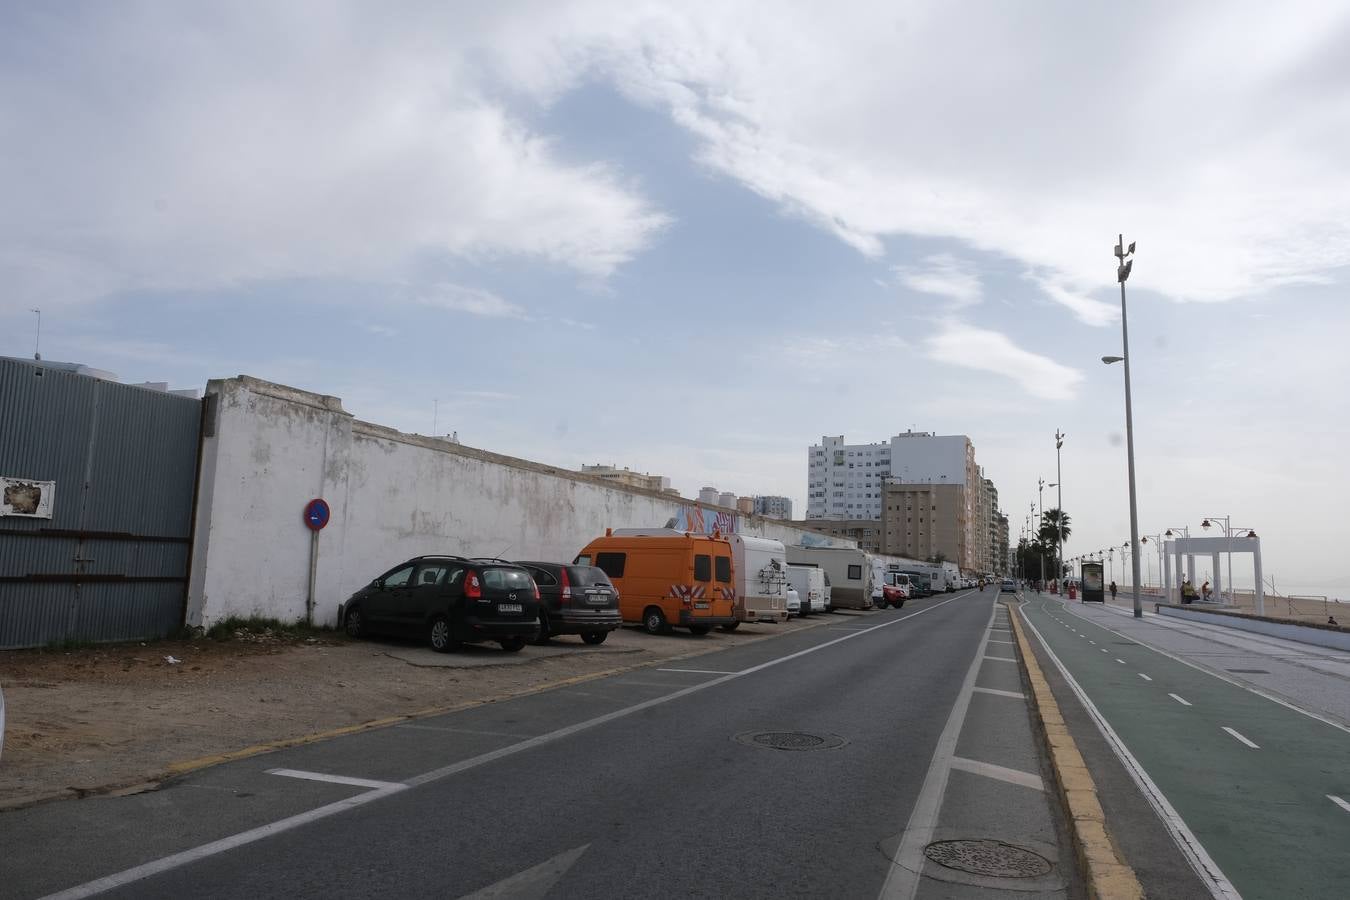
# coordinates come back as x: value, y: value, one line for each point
x: 271, y: 449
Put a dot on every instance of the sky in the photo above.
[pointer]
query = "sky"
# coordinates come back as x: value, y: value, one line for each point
x: 692, y: 238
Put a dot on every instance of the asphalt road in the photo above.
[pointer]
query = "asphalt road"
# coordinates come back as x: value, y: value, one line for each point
x: 1250, y: 771
x: 647, y: 784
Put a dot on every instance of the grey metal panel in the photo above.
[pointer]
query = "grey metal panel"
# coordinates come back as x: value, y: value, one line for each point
x: 124, y: 461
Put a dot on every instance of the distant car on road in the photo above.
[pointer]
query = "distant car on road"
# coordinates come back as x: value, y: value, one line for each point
x: 574, y: 600
x: 1008, y: 587
x: 448, y: 601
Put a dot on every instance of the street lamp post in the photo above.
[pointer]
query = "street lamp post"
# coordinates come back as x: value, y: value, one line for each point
x: 1185, y: 531
x: 1126, y: 257
x: 1227, y: 533
x: 1059, y: 501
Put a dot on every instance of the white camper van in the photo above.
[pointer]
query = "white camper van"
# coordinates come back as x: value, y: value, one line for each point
x: 850, y: 572
x: 809, y: 583
x: 760, y: 577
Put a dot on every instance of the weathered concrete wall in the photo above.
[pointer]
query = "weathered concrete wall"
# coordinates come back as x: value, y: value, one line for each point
x: 1307, y: 633
x: 270, y: 449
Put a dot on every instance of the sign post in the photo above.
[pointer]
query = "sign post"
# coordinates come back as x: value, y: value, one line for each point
x: 317, y: 515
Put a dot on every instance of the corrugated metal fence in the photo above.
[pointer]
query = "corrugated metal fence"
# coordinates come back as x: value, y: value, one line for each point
x: 111, y: 563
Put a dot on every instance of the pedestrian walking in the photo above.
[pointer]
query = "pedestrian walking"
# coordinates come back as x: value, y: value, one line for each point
x: 1205, y: 592
x: 1113, y: 590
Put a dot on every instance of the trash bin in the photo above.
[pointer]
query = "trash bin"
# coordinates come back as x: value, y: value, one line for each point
x: 1073, y: 592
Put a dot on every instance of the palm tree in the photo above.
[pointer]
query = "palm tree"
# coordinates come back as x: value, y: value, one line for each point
x: 1054, y: 532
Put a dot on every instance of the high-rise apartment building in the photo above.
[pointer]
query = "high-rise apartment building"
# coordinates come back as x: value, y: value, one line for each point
x: 926, y: 521
x: 773, y: 507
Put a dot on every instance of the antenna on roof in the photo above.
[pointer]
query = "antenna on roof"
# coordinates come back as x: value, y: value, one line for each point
x: 37, y: 339
x: 498, y: 557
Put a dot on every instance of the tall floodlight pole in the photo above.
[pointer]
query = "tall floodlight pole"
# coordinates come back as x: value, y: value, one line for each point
x: 1126, y: 263
x: 1059, y: 501
x: 37, y: 337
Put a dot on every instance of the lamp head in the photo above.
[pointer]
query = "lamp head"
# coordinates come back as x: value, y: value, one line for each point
x: 1167, y: 533
x: 1204, y: 524
x: 1112, y: 359
x: 1250, y: 533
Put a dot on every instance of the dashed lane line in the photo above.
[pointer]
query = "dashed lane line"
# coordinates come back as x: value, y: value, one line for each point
x: 1180, y: 699
x: 337, y: 779
x: 998, y: 693
x: 1143, y: 676
x: 1339, y: 802
x: 1238, y: 735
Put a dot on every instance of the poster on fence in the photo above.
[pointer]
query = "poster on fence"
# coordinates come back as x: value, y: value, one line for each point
x: 27, y: 498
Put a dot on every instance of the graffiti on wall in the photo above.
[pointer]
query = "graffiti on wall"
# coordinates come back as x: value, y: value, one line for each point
x: 704, y: 521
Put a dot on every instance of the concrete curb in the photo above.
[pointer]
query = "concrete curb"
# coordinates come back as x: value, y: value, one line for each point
x: 1105, y: 872
x: 154, y: 781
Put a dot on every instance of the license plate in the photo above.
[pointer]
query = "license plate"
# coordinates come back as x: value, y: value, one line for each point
x: 597, y: 599
x: 510, y: 608
x: 700, y: 605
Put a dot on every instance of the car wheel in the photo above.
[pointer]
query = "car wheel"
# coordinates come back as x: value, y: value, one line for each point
x: 594, y: 637
x: 654, y: 621
x: 544, y: 630
x: 699, y: 629
x: 441, y: 636
x: 732, y: 627
x: 355, y: 623
x: 513, y: 644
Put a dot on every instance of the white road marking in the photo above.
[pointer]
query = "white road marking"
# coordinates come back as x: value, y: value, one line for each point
x: 173, y: 861
x: 705, y: 671
x: 337, y: 779
x: 1182, y: 700
x: 997, y: 641
x: 1222, y: 676
x: 1001, y: 773
x: 1001, y: 659
x: 1145, y: 677
x: 997, y: 693
x: 419, y: 727
x: 1119, y: 660
x: 1339, y: 802
x: 902, y: 881
x: 1104, y: 650
x: 1240, y: 737
x: 1218, y: 884
x: 533, y: 883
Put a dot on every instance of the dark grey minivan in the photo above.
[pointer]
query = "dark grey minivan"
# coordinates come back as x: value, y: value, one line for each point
x: 448, y: 600
x: 574, y: 600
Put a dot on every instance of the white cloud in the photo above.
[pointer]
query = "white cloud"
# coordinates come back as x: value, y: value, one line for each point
x: 1219, y: 146
x: 1087, y: 310
x: 474, y: 301
x: 160, y: 146
x: 959, y: 344
x: 945, y: 276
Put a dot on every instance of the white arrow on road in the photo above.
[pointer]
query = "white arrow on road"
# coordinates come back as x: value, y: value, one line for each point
x: 533, y: 883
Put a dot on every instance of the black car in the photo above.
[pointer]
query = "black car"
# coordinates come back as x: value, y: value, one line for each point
x: 449, y: 601
x: 574, y: 600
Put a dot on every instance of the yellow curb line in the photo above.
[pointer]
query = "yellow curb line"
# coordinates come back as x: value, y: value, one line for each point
x: 1107, y: 874
x: 191, y: 765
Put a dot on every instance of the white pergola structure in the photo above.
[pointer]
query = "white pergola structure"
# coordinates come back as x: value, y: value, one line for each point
x: 1186, y: 549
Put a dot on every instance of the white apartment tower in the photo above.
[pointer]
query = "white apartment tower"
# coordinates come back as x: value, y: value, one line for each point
x: 844, y: 481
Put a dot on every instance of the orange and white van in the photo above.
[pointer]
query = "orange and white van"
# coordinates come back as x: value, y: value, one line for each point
x: 667, y: 577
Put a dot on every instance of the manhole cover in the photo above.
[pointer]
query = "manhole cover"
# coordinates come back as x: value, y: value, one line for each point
x: 1250, y: 671
x: 992, y: 858
x: 791, y: 740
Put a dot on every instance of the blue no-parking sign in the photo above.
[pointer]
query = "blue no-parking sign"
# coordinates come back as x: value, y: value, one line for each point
x: 316, y: 514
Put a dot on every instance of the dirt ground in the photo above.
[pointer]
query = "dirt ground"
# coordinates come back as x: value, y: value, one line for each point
x: 116, y: 716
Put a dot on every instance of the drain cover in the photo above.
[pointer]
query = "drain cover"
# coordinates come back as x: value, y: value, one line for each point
x: 992, y: 858
x: 791, y: 740
x: 1250, y: 671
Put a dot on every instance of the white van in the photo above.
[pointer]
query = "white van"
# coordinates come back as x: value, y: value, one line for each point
x: 809, y: 583
x: 759, y: 567
x: 850, y: 572
x: 829, y: 592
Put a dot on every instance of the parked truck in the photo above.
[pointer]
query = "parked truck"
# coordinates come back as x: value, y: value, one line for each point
x: 849, y: 569
x: 759, y: 571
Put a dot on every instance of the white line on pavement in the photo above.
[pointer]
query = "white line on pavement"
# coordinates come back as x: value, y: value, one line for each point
x: 1339, y: 802
x: 173, y: 861
x: 1001, y: 773
x: 997, y: 641
x: 704, y: 671
x: 1104, y: 650
x: 1218, y: 884
x: 1182, y: 700
x: 1001, y: 659
x: 335, y: 779
x: 1239, y: 737
x: 1145, y: 677
x: 997, y: 693
x: 1119, y: 660
x: 1250, y: 688
x: 902, y: 881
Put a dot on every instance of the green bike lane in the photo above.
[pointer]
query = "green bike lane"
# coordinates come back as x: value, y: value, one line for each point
x: 1264, y: 814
